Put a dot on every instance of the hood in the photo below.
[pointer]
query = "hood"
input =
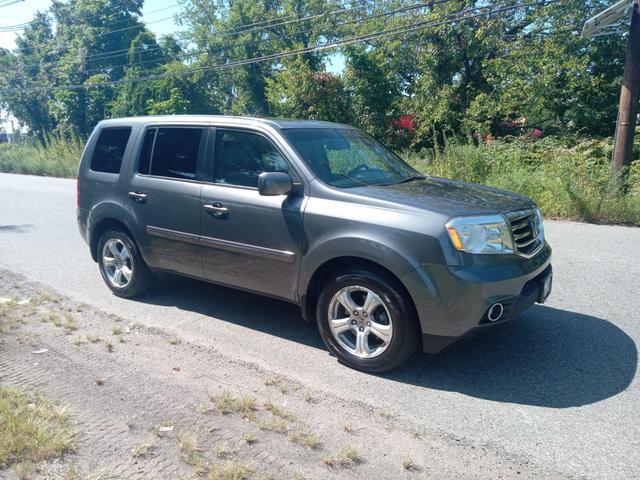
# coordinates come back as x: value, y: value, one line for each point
x: 448, y: 197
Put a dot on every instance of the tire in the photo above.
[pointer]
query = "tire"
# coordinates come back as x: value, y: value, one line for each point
x: 388, y: 301
x: 129, y: 260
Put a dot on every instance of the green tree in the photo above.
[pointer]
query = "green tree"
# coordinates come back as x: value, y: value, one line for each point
x: 297, y: 91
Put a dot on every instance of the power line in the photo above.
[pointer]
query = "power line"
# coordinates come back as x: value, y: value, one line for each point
x: 133, y: 16
x: 451, y: 18
x: 10, y: 3
x: 224, y: 46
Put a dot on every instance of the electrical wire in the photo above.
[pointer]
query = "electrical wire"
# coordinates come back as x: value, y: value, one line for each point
x: 401, y: 30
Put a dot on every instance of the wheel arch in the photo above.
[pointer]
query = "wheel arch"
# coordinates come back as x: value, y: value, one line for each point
x: 325, y: 270
x: 102, y: 226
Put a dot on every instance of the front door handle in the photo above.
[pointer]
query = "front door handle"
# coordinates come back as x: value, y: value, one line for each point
x: 138, y: 196
x: 217, y: 210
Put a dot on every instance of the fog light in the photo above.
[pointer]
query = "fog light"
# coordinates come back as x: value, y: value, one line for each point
x: 495, y: 312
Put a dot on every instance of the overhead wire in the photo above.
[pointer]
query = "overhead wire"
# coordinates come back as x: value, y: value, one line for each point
x: 404, y: 29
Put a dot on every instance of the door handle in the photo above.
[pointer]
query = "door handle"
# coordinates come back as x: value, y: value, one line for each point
x: 216, y: 209
x: 138, y: 196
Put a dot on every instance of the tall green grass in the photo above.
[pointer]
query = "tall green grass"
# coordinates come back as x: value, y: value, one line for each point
x: 566, y: 178
x: 57, y: 156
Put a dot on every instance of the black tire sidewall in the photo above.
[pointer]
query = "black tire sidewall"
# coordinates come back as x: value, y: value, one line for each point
x: 404, y: 339
x: 140, y: 272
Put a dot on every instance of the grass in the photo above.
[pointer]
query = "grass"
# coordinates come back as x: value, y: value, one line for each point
x: 348, y: 456
x: 32, y: 429
x: 141, y: 449
x: 250, y: 438
x: 278, y: 411
x: 231, y: 471
x: 408, y: 463
x: 567, y: 177
x: 57, y: 156
x: 303, y: 437
x: 276, y: 381
x: 277, y: 425
x: 226, y: 403
x: 70, y: 324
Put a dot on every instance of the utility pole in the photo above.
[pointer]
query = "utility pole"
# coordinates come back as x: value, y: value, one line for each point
x: 628, y: 108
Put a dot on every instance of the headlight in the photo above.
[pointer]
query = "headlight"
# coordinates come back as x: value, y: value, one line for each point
x: 486, y: 234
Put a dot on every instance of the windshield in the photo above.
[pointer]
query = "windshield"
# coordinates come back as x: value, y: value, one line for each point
x: 345, y: 157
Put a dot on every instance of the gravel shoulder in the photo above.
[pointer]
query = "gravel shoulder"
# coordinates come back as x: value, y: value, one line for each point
x: 148, y: 404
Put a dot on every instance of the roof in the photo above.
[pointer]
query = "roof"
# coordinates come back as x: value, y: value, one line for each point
x: 229, y: 119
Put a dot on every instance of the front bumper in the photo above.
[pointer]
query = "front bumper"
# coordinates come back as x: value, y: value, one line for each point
x: 452, y: 302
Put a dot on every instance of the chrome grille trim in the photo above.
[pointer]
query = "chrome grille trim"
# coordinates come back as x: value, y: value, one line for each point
x: 526, y: 232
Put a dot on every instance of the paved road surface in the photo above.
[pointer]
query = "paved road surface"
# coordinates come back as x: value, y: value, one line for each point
x: 557, y: 386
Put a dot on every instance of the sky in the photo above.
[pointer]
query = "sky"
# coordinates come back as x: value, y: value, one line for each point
x: 156, y: 22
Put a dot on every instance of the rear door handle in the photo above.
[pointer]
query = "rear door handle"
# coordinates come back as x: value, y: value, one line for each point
x: 138, y: 196
x: 217, y: 210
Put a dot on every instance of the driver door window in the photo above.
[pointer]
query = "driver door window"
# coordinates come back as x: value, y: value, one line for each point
x: 240, y: 157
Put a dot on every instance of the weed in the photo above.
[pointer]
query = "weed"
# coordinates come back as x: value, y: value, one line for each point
x: 223, y: 450
x: 116, y: 329
x: 303, y: 437
x: 141, y: 449
x: 226, y: 403
x: 277, y: 425
x: 346, y: 457
x: 408, y: 463
x: 174, y: 341
x: 231, y: 471
x: 55, y: 319
x: 33, y: 428
x: 70, y: 324
x: 93, y: 338
x: 275, y: 381
x: 250, y: 438
x: 108, y: 344
x: 308, y: 397
x: 348, y: 427
x: 278, y: 411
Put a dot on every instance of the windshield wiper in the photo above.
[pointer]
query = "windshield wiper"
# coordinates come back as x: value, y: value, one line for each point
x: 353, y: 179
x: 412, y: 178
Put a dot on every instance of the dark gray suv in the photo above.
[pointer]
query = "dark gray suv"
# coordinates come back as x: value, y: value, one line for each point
x: 315, y: 213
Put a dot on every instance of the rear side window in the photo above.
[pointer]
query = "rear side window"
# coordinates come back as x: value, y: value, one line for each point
x: 170, y: 152
x: 109, y: 150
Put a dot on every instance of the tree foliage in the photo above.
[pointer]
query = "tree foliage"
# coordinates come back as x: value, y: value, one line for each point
x: 521, y: 68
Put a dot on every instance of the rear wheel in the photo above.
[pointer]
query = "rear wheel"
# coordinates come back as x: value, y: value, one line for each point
x: 366, y: 320
x: 122, y: 267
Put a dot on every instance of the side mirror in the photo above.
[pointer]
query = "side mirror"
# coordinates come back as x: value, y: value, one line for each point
x: 274, y: 183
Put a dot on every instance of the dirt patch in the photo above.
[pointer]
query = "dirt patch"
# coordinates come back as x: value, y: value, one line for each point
x: 146, y: 404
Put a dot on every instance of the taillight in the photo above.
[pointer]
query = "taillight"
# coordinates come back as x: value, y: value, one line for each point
x: 78, y: 192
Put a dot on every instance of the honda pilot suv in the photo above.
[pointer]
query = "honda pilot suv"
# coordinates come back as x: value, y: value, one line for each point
x: 383, y: 258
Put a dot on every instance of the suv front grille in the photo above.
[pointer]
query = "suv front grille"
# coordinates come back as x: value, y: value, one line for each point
x: 526, y: 231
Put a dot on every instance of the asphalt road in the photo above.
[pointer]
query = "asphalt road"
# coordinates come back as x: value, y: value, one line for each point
x: 557, y: 386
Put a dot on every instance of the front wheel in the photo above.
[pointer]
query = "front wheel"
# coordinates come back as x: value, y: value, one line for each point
x: 366, y: 320
x: 122, y: 267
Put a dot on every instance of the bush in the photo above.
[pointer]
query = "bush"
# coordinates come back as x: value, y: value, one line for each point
x: 58, y: 156
x: 567, y: 178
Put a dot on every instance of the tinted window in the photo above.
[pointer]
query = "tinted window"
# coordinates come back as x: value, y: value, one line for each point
x: 241, y: 156
x: 109, y: 150
x: 147, y: 148
x: 173, y: 154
